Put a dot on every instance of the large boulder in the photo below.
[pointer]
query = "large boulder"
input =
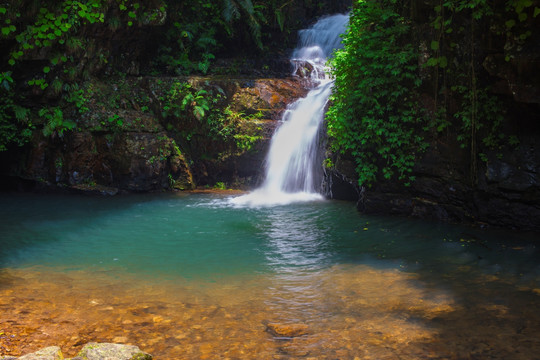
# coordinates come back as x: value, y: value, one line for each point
x: 49, y: 353
x: 107, y: 351
x: 91, y: 351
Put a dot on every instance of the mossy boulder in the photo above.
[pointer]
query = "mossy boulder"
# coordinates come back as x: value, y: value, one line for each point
x: 91, y: 351
x: 107, y: 351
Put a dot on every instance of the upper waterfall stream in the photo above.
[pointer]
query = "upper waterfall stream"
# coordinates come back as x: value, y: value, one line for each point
x: 293, y: 164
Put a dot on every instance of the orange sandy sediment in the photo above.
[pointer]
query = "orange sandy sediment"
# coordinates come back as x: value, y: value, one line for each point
x: 344, y: 312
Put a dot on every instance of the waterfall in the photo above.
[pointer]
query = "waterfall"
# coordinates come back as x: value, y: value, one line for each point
x: 293, y: 167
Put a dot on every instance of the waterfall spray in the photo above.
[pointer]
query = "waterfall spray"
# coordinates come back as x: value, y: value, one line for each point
x: 293, y: 167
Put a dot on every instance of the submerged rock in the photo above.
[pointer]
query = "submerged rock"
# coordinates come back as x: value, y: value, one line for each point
x: 286, y: 330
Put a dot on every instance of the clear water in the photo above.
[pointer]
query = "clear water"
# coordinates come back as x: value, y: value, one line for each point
x: 191, y: 276
x: 202, y: 236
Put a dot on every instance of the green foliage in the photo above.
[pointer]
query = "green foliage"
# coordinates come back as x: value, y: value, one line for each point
x: 15, y: 125
x: 184, y: 103
x: 328, y: 163
x: 374, y: 115
x: 242, y: 128
x: 55, y: 124
x: 190, y: 41
x: 198, y: 112
x: 220, y: 186
x: 114, y: 122
x: 16, y: 132
x: 182, y: 99
x: 51, y: 46
x: 252, y: 14
x: 76, y: 96
x: 479, y: 105
x: 457, y: 26
x: 51, y: 26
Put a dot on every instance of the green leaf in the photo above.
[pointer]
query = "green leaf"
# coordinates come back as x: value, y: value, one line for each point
x: 510, y: 23
x: 536, y: 11
x: 522, y: 16
x: 443, y: 62
x: 5, y: 30
x: 3, y: 10
x: 434, y: 45
x: 46, y: 69
x: 432, y: 62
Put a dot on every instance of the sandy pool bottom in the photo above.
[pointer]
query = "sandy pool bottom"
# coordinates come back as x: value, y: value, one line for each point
x: 343, y: 312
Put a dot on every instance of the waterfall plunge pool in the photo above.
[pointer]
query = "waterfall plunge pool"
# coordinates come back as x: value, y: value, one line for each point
x: 190, y: 276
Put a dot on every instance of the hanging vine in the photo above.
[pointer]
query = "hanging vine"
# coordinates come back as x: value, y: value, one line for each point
x: 456, y: 64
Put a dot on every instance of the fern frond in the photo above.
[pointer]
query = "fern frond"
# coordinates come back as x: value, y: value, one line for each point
x: 230, y: 10
x: 21, y: 113
x: 247, y: 5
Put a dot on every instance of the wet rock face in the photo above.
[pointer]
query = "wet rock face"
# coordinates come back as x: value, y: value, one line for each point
x: 124, y: 142
x: 519, y: 77
x: 111, y: 162
x: 507, y: 192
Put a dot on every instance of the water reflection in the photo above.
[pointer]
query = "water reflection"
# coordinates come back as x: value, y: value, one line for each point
x: 296, y: 249
x: 296, y: 240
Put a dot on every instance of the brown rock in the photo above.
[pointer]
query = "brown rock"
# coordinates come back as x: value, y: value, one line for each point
x: 286, y: 330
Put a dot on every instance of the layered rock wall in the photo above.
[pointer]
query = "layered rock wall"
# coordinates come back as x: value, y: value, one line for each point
x: 124, y: 142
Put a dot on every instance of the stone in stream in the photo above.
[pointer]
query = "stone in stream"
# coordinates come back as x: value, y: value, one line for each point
x: 49, y: 353
x: 91, y: 351
x: 106, y: 351
x: 286, y: 330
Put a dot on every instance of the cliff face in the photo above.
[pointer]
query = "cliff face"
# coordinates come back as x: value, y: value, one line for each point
x: 130, y: 139
x: 107, y: 111
x: 496, y: 182
x: 507, y: 193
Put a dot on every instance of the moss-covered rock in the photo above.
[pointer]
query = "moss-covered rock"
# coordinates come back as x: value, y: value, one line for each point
x: 145, y: 134
x: 50, y: 353
x: 107, y: 351
x: 91, y: 351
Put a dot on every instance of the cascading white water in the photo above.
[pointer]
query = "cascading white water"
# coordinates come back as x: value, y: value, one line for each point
x: 292, y: 169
